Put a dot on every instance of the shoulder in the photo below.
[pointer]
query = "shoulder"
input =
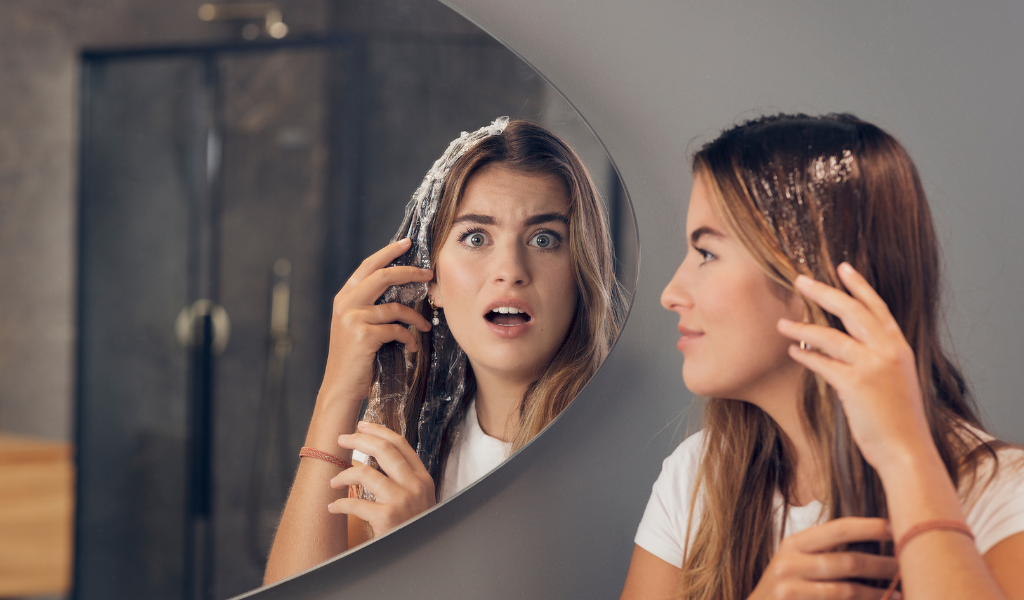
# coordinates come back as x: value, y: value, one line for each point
x: 685, y: 459
x: 992, y: 495
x: 665, y: 526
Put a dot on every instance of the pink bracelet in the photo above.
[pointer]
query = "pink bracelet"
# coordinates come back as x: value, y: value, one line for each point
x: 306, y: 451
x: 916, y: 530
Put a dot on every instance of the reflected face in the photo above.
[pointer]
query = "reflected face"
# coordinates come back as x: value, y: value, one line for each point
x: 728, y: 310
x: 504, y: 275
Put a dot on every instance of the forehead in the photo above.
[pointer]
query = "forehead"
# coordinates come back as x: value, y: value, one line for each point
x: 510, y: 195
x: 700, y: 213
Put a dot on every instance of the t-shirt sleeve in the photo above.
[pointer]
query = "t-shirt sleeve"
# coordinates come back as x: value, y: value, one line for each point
x: 662, y: 530
x: 995, y: 506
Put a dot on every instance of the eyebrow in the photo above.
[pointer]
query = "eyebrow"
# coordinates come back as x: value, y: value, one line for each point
x: 534, y: 220
x: 702, y: 231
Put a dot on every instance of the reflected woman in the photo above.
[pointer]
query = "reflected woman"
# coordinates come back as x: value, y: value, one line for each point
x: 520, y: 308
x: 835, y: 422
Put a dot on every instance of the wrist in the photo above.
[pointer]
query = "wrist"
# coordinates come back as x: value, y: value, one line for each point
x: 909, y: 462
x: 329, y: 420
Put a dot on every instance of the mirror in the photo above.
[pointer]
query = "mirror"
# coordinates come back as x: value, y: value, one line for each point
x: 227, y: 191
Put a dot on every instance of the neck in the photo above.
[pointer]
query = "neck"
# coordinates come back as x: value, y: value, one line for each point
x: 498, y: 399
x: 781, y: 400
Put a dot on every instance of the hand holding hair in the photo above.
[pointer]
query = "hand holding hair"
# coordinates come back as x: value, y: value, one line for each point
x: 404, y: 490
x: 871, y: 367
x: 359, y: 327
x: 806, y: 565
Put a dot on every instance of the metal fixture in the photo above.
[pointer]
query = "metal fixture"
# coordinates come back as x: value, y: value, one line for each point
x: 268, y: 12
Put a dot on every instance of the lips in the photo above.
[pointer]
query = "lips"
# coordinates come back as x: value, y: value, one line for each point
x: 509, y: 317
x: 688, y: 336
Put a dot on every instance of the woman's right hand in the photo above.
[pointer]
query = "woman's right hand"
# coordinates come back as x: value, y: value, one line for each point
x: 359, y: 327
x: 806, y: 565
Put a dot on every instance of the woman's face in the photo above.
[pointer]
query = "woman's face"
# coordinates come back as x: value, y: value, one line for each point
x: 728, y: 310
x: 504, y: 275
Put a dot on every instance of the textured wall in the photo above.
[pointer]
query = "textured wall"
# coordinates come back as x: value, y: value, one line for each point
x: 557, y: 521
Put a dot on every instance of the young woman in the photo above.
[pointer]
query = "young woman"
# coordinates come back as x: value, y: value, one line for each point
x: 835, y: 422
x: 521, y: 308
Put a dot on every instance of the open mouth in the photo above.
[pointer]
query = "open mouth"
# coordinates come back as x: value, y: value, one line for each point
x: 508, y: 316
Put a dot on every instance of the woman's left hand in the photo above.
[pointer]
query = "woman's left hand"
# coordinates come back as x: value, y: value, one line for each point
x: 871, y: 367
x: 406, y: 491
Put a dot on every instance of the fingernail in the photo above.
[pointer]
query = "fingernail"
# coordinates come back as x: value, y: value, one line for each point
x: 363, y: 425
x: 803, y: 280
x: 785, y: 323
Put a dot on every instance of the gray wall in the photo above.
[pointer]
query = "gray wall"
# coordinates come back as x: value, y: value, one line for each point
x: 944, y: 77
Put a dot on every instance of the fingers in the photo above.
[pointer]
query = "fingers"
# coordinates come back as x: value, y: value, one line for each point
x: 372, y: 337
x: 374, y: 284
x: 380, y: 259
x: 381, y: 314
x: 398, y: 442
x: 832, y: 342
x: 838, y: 590
x: 835, y: 373
x: 860, y: 289
x: 404, y: 468
x: 858, y: 320
x: 385, y: 489
x: 830, y: 566
x: 840, y: 531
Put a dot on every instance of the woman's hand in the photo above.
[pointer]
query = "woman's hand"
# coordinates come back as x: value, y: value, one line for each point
x: 872, y: 368
x: 806, y: 566
x: 359, y: 327
x: 406, y: 491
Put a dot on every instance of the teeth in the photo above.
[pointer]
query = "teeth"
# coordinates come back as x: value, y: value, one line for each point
x: 507, y: 310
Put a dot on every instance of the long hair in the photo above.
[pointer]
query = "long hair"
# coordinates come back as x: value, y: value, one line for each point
x: 803, y: 194
x: 600, y: 300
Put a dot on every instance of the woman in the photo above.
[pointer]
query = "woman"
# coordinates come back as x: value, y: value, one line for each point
x: 521, y: 307
x: 835, y: 424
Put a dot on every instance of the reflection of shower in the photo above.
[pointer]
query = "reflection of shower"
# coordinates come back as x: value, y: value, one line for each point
x: 273, y: 420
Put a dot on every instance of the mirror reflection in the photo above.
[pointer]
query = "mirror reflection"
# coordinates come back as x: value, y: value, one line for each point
x: 473, y: 330
x: 227, y: 193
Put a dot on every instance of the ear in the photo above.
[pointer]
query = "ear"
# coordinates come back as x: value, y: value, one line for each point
x: 434, y: 293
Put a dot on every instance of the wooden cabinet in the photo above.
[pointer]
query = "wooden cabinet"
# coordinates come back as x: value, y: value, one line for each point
x: 36, y: 511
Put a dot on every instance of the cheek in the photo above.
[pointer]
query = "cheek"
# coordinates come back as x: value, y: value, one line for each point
x: 455, y: 279
x: 744, y: 314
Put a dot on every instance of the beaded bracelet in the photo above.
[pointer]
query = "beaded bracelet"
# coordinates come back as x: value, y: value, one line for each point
x: 916, y: 530
x: 306, y: 451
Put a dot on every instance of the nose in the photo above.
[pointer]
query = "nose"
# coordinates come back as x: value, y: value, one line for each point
x: 510, y: 267
x: 676, y: 295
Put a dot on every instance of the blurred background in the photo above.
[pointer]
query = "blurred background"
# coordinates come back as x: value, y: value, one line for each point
x: 183, y: 189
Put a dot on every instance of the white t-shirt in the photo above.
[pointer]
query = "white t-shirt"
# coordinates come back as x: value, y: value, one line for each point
x: 994, y: 512
x: 473, y: 455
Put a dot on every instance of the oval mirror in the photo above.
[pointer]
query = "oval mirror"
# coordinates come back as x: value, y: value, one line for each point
x: 228, y: 191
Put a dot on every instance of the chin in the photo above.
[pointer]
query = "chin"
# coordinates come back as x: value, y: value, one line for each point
x: 700, y: 385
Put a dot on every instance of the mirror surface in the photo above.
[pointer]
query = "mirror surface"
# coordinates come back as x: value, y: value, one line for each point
x: 227, y: 191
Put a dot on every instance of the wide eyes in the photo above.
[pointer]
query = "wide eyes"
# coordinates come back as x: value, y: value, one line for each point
x: 544, y: 240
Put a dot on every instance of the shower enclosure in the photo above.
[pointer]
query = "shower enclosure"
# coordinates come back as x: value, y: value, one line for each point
x: 226, y: 193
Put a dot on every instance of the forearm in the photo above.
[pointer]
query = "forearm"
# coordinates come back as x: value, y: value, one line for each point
x: 308, y: 534
x: 936, y: 564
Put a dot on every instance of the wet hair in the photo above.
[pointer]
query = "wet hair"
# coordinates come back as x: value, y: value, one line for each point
x: 803, y: 194
x: 527, y: 148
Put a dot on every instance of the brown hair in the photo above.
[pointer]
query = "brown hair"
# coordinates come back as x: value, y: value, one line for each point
x: 804, y: 194
x: 600, y: 300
